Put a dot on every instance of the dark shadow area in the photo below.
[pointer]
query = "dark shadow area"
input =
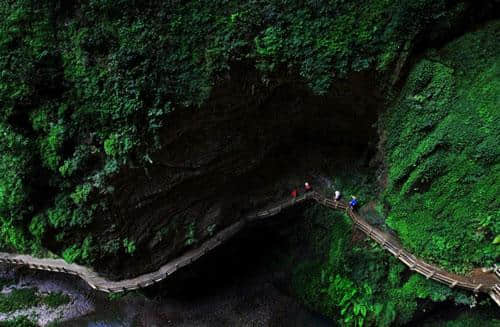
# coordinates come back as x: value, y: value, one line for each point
x: 233, y: 157
x: 441, y: 314
x: 254, y: 252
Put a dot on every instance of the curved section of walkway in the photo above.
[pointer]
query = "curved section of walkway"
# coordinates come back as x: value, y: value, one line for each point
x: 485, y: 282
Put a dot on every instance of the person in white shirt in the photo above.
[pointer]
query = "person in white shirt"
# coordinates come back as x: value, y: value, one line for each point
x: 337, y: 195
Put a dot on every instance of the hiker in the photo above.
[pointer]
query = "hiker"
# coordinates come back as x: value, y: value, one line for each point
x: 294, y: 193
x: 337, y: 195
x: 307, y: 187
x: 353, y: 204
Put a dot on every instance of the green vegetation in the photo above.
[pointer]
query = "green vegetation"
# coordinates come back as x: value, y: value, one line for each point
x: 129, y: 246
x: 18, y: 322
x: 358, y: 283
x: 116, y: 296
x: 87, y: 86
x: 24, y: 298
x: 190, y: 234
x: 443, y: 179
x: 476, y: 318
x: 54, y: 300
x: 87, y: 89
x: 18, y: 299
x: 443, y: 154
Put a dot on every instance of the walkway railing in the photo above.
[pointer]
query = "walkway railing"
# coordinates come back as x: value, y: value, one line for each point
x: 489, y: 285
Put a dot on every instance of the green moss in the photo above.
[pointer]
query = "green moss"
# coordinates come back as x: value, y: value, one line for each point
x: 18, y: 299
x: 24, y: 298
x: 443, y: 154
x: 18, y: 322
x: 54, y: 300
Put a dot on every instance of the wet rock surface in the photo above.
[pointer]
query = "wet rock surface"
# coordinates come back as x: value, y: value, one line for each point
x: 80, y: 304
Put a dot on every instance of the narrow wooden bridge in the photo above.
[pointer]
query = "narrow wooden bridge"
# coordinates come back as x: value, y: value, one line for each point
x: 485, y: 283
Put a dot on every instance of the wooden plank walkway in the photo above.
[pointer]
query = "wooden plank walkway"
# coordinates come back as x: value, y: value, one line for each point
x: 488, y: 283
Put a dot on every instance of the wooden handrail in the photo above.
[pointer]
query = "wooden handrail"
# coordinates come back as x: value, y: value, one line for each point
x: 102, y: 284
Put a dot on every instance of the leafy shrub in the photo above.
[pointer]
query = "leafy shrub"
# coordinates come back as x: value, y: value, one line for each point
x: 38, y: 226
x: 190, y: 234
x: 129, y: 246
x: 81, y: 193
x: 81, y: 253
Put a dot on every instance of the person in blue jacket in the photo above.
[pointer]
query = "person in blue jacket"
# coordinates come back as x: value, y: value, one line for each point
x: 353, y: 204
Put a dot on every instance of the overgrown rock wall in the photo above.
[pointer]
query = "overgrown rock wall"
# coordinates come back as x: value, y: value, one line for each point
x: 132, y: 130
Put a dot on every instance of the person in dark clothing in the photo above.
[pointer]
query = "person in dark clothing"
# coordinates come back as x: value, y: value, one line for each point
x: 353, y: 204
x: 307, y: 187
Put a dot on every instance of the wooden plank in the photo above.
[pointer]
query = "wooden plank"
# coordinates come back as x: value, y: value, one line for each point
x: 405, y: 261
x: 468, y: 286
x: 440, y: 277
x: 392, y: 251
x: 377, y: 237
x: 390, y: 245
x: 421, y: 270
x: 99, y: 283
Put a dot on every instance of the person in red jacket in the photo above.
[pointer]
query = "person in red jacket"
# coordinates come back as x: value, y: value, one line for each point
x: 294, y: 193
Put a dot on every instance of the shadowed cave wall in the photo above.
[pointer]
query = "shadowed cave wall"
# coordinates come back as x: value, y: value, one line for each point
x: 239, y: 153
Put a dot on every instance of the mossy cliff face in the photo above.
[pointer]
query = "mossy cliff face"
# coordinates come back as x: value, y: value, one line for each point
x: 440, y: 143
x: 443, y: 156
x: 132, y: 131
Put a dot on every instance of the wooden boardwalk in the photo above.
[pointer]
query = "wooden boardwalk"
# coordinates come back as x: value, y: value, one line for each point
x: 485, y: 283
